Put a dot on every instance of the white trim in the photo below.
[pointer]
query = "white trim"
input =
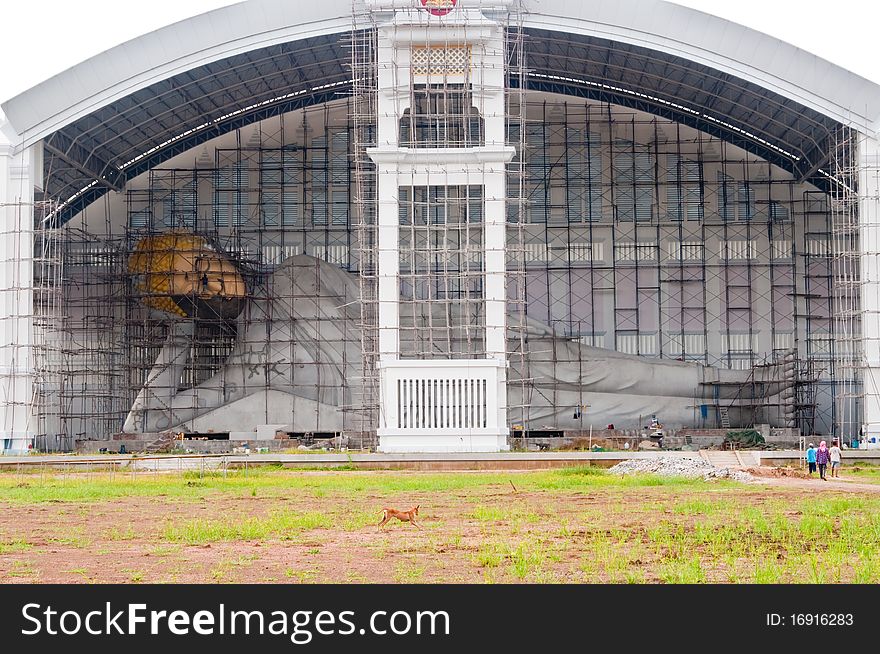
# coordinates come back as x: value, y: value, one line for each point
x: 722, y: 45
x: 172, y: 50
x: 236, y: 29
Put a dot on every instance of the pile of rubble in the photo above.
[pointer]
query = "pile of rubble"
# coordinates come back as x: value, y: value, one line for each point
x: 678, y: 467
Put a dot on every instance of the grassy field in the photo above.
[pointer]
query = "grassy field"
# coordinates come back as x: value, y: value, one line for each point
x: 864, y: 473
x: 575, y: 525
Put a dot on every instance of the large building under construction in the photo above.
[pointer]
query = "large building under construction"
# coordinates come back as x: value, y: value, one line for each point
x: 426, y: 224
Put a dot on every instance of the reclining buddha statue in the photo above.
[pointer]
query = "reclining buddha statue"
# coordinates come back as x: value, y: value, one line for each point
x: 296, y: 361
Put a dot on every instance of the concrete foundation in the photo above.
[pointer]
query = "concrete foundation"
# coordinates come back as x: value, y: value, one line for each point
x: 415, y: 462
x: 138, y: 445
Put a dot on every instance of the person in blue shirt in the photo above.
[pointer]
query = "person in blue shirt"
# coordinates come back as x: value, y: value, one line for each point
x: 811, y: 458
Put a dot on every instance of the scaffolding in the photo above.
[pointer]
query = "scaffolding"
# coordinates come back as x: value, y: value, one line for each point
x: 48, y: 350
x: 847, y: 287
x: 443, y: 275
x: 625, y: 232
x: 688, y: 279
x: 364, y: 112
x: 652, y: 239
x: 256, y: 204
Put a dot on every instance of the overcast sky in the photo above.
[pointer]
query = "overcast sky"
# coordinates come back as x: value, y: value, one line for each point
x: 40, y: 38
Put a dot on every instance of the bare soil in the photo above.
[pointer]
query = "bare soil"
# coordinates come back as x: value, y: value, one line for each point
x: 124, y: 541
x: 787, y: 478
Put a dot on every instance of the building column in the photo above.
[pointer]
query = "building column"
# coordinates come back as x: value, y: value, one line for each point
x: 495, y: 254
x: 19, y: 173
x: 388, y: 220
x: 495, y: 193
x: 869, y: 243
x: 441, y: 404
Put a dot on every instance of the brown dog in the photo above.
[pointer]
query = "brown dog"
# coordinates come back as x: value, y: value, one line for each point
x: 403, y: 516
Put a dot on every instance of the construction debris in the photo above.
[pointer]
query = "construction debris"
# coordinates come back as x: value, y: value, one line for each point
x: 679, y: 467
x: 748, y: 438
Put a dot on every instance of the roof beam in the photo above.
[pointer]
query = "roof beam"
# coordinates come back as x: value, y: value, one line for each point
x: 88, y: 163
x: 238, y: 121
x: 805, y: 173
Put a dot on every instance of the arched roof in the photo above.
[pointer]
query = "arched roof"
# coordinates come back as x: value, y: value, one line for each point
x: 135, y: 106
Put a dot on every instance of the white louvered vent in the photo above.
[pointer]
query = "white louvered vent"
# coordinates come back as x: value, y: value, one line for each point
x: 442, y: 404
x: 642, y: 344
x: 686, y: 345
x: 593, y: 340
x: 783, y: 341
x: 739, y: 343
x: 685, y: 250
x: 781, y: 249
x: 337, y: 254
x: 737, y: 250
x: 585, y: 252
x: 277, y: 254
x: 647, y: 251
x: 818, y: 247
x: 536, y: 253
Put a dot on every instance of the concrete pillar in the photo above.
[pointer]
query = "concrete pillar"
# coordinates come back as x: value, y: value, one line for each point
x: 495, y: 194
x: 19, y: 174
x: 389, y: 267
x: 438, y: 405
x: 869, y: 239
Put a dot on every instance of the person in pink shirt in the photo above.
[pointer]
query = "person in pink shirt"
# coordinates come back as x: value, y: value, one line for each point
x: 823, y: 456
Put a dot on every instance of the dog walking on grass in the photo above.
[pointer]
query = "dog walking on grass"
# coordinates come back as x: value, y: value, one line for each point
x: 403, y: 516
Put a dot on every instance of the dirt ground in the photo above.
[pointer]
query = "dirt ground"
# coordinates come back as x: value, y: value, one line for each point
x: 795, y: 478
x: 491, y: 533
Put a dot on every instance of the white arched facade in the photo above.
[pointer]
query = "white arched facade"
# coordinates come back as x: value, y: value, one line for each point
x: 662, y: 26
x: 214, y: 37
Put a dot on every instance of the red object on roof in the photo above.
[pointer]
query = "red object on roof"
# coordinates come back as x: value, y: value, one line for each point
x: 439, y: 7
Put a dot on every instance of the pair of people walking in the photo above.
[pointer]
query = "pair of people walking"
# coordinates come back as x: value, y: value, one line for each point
x: 822, y: 457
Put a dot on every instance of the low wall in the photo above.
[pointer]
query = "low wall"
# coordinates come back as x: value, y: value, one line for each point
x: 573, y: 440
x: 415, y: 462
x: 135, y: 445
x: 613, y: 439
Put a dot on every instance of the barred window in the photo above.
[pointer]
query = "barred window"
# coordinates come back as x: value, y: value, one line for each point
x: 684, y: 189
x: 442, y: 117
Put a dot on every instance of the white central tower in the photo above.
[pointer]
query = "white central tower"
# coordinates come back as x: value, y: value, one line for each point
x: 441, y: 170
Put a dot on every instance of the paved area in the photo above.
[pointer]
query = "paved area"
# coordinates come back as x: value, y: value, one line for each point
x: 513, y: 460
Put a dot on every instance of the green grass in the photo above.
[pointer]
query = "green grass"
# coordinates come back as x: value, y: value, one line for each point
x: 683, y: 570
x: 302, y: 576
x: 767, y: 572
x: 489, y: 514
x: 867, y: 570
x: 490, y: 555
x: 355, y: 520
x: 575, y: 524
x: 583, y: 471
x: 278, y: 525
x: 225, y: 571
x: 407, y: 573
x: 14, y: 546
x: 835, y: 506
x: 162, y: 551
x: 703, y: 507
x: 22, y: 569
x: 72, y: 537
x: 120, y: 534
x: 866, y: 473
x: 271, y: 482
x: 526, y: 559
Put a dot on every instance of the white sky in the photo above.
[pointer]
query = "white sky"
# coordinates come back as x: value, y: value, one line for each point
x: 40, y: 38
